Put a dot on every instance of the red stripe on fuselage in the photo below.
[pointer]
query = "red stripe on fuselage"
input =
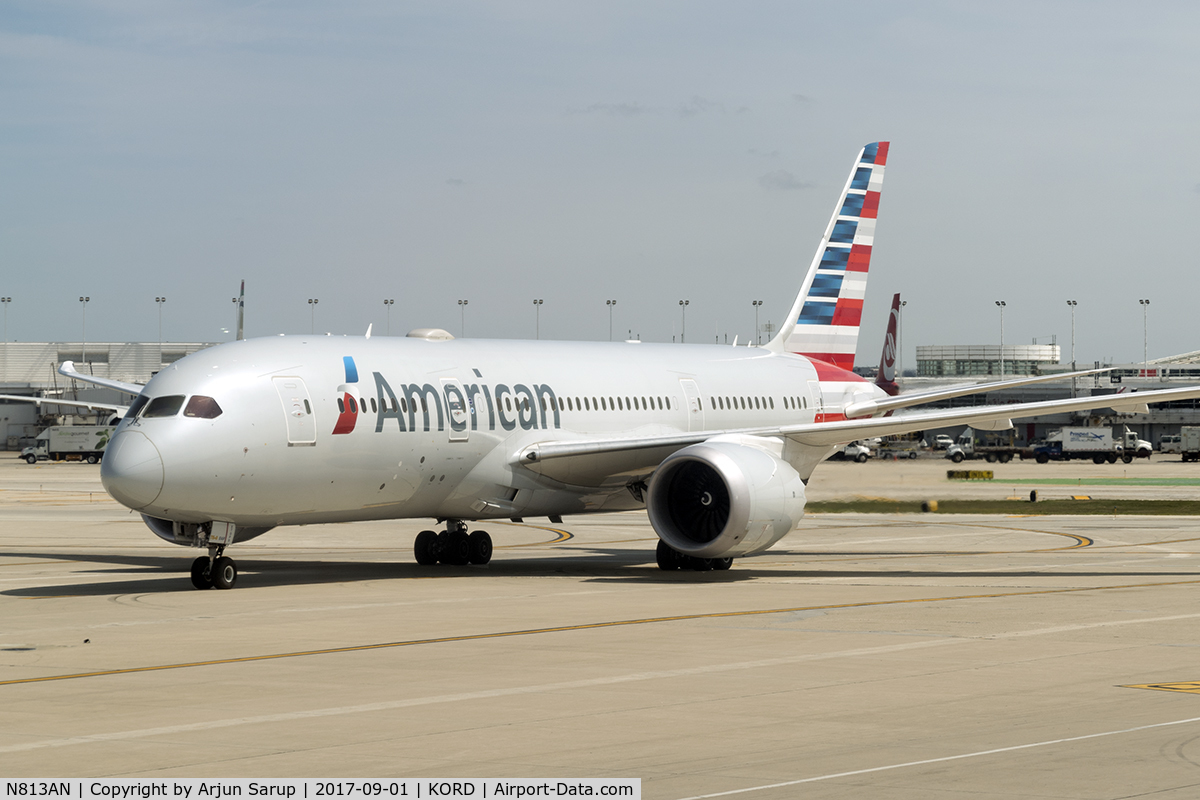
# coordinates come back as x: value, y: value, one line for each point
x: 834, y: 367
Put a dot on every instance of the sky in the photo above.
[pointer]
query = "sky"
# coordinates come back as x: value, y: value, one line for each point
x: 575, y: 153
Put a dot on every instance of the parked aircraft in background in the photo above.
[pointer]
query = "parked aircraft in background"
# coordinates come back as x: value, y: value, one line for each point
x: 716, y: 442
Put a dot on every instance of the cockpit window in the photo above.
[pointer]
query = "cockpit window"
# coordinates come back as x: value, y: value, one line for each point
x: 165, y: 406
x: 202, y: 407
x: 139, y: 403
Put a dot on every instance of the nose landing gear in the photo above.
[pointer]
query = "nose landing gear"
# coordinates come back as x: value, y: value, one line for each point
x: 215, y: 570
x: 453, y: 546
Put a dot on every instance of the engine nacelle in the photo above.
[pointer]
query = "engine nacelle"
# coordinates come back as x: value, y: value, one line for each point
x: 721, y: 498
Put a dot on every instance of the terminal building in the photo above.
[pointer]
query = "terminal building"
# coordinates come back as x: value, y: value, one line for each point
x: 31, y: 369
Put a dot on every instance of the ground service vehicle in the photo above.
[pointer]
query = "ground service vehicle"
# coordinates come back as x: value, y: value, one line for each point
x: 855, y: 451
x: 1098, y: 444
x: 70, y: 443
x: 1170, y: 444
x: 1189, y: 443
x: 973, y: 444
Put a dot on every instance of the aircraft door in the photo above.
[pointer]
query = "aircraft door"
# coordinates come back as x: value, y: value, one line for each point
x: 297, y: 410
x: 817, y: 400
x: 459, y: 426
x: 695, y: 405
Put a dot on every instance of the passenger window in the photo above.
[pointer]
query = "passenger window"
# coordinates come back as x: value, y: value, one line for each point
x: 207, y: 408
x: 756, y: 402
x: 771, y: 400
x: 139, y: 403
x: 611, y: 406
x: 627, y: 403
x: 166, y: 406
x: 341, y: 406
x: 374, y: 407
x: 404, y: 405
x: 353, y: 405
x: 307, y: 407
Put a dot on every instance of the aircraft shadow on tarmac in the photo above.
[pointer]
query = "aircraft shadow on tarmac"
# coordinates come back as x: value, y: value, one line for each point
x: 154, y: 574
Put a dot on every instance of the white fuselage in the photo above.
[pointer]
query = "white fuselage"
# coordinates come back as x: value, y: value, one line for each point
x: 437, y: 426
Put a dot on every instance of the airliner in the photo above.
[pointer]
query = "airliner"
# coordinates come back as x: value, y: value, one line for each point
x: 715, y: 442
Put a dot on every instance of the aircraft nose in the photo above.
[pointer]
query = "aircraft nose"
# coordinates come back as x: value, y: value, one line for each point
x: 132, y: 469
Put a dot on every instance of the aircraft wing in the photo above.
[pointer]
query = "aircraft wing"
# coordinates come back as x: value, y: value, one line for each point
x: 871, y: 407
x: 630, y: 455
x: 68, y: 369
x: 50, y: 401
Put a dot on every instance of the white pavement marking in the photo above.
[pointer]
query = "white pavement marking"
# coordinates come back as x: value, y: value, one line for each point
x: 943, y: 759
x: 589, y: 682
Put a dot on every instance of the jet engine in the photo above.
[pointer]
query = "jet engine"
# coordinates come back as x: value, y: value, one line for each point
x: 724, y: 498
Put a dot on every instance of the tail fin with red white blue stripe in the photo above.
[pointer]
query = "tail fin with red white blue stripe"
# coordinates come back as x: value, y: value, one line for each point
x: 823, y: 323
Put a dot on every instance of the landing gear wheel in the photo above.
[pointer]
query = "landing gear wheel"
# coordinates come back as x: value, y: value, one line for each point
x: 456, y: 548
x: 480, y: 547
x: 200, y: 575
x: 31, y: 459
x: 666, y: 556
x: 224, y: 573
x: 722, y: 564
x: 425, y: 548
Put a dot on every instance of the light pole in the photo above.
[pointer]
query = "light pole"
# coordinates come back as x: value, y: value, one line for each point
x: 1001, y: 305
x: 159, y: 301
x: 610, y: 304
x: 1145, y: 339
x: 756, y: 304
x: 388, y: 303
x: 683, y: 304
x: 5, y: 301
x: 1071, y: 304
x: 83, y: 301
x: 900, y: 340
x: 312, y: 314
x: 462, y: 315
x: 235, y: 315
x: 537, y: 310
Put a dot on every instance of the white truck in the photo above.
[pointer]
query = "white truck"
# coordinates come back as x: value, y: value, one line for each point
x: 974, y: 444
x: 70, y: 443
x: 1098, y: 444
x: 1189, y: 443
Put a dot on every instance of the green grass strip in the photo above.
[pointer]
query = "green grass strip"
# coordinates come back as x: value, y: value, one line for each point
x: 1100, y: 481
x: 1140, y: 508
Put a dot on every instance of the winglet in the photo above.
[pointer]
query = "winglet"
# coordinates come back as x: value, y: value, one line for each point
x: 823, y: 322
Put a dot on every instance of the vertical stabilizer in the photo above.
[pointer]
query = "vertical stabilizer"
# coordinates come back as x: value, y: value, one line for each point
x: 241, y: 311
x: 823, y: 322
x: 886, y: 377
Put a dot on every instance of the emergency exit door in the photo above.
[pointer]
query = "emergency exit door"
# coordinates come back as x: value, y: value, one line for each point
x: 298, y: 411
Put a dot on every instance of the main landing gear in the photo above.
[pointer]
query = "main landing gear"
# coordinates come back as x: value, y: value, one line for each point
x: 669, y: 558
x: 214, y: 571
x: 453, y: 546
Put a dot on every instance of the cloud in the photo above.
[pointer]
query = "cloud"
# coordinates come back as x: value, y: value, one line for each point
x: 782, y: 180
x: 698, y: 105
x: 617, y: 109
